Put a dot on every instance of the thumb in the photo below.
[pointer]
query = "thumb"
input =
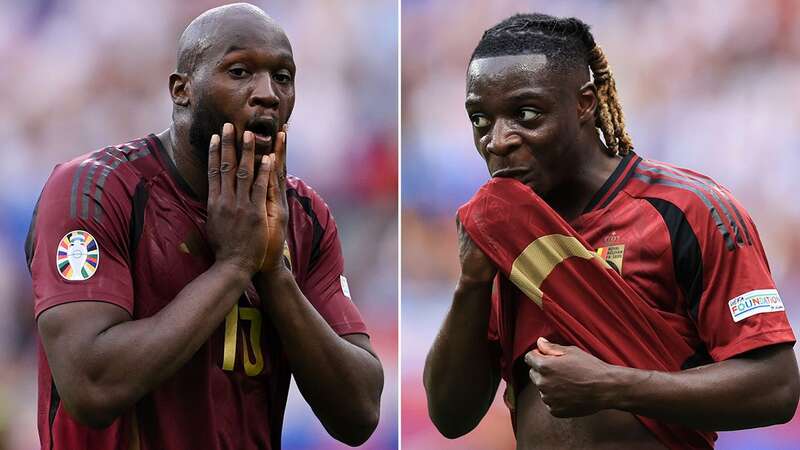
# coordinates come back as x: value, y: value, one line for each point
x: 549, y: 348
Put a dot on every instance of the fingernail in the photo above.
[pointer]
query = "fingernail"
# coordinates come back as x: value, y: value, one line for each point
x: 227, y: 128
x: 248, y: 135
x: 264, y: 159
x: 214, y: 139
x: 544, y: 339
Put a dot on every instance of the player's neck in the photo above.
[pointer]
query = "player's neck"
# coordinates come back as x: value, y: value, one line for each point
x: 191, y: 168
x: 572, y: 197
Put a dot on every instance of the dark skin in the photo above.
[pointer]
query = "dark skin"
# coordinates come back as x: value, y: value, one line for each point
x: 103, y: 362
x: 536, y: 124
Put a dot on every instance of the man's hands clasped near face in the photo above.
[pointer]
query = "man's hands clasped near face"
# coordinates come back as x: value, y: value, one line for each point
x: 277, y: 207
x: 241, y: 201
x: 572, y: 382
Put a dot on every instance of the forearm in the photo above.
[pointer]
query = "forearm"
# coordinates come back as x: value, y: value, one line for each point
x: 461, y: 374
x: 728, y: 395
x: 341, y: 381
x: 131, y: 358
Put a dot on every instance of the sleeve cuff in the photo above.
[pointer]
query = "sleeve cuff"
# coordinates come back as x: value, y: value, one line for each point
x: 752, y: 342
x: 349, y: 328
x: 47, y: 303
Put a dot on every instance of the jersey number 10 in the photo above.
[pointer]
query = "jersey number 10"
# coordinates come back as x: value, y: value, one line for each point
x: 232, y: 324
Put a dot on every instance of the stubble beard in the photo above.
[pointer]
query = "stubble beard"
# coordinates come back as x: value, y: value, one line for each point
x: 205, y: 122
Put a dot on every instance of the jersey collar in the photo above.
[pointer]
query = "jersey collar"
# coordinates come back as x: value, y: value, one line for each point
x: 618, y: 179
x: 155, y: 143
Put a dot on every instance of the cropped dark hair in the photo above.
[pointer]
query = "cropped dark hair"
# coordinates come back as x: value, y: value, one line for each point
x: 567, y: 43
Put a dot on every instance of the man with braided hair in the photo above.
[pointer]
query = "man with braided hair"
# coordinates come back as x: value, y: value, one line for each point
x: 628, y: 303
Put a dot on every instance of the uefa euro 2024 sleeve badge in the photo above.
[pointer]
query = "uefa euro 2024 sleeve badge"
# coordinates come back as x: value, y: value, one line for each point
x: 77, y: 256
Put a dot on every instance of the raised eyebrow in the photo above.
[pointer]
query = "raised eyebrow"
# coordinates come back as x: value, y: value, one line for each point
x: 472, y: 101
x: 285, y: 57
x: 525, y: 94
x: 233, y: 48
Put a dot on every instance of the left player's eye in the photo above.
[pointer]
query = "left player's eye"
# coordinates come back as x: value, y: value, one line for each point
x: 479, y: 121
x: 282, y: 77
x: 526, y: 114
x: 238, y: 72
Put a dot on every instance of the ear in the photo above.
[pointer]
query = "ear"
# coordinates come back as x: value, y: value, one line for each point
x: 179, y: 88
x: 587, y: 103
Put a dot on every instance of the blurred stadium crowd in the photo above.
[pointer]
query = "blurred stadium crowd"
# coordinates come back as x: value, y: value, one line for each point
x: 709, y: 85
x: 82, y: 74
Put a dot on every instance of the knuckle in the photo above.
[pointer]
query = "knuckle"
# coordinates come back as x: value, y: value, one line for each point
x: 242, y: 173
x: 225, y: 167
x: 213, y: 173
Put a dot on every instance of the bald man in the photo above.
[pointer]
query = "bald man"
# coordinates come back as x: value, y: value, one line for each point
x: 180, y: 279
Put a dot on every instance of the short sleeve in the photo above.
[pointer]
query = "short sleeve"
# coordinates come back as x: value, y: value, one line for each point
x: 77, y: 246
x: 740, y: 308
x: 326, y: 285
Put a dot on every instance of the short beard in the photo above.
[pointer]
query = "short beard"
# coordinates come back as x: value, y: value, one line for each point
x: 205, y: 122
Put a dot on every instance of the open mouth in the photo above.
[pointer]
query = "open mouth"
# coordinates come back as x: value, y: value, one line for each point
x: 512, y: 172
x: 264, y: 130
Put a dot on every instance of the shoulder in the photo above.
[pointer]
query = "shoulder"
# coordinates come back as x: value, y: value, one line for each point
x: 106, y: 173
x: 303, y: 199
x: 707, y: 206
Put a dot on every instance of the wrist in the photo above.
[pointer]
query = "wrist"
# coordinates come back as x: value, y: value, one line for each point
x: 274, y: 276
x: 472, y: 282
x: 233, y: 272
x: 623, y: 386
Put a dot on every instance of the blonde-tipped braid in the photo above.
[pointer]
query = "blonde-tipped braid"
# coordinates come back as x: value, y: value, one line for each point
x: 609, y: 118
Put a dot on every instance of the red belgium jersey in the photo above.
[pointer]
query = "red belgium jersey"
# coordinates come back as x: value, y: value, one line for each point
x: 121, y: 226
x: 664, y: 271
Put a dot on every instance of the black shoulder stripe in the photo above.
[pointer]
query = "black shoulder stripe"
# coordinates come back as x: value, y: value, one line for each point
x: 87, y: 183
x: 707, y: 188
x: 101, y: 180
x: 316, y: 240
x: 55, y: 400
x: 686, y: 257
x: 729, y: 244
x: 714, y: 190
x: 73, y: 196
x: 108, y: 159
x: 741, y: 221
x: 140, y: 197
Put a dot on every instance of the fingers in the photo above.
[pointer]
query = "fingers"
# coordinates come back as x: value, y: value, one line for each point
x: 261, y: 183
x: 228, y: 164
x: 213, y: 167
x: 280, y: 156
x: 277, y: 183
x: 549, y: 348
x: 533, y: 359
x: 244, y: 173
x: 535, y: 377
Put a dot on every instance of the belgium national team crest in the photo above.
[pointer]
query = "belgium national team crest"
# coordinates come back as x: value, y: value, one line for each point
x: 613, y: 256
x: 77, y: 256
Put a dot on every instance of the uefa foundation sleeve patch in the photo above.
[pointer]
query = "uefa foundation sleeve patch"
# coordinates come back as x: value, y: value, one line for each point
x: 77, y: 256
x: 755, y: 302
